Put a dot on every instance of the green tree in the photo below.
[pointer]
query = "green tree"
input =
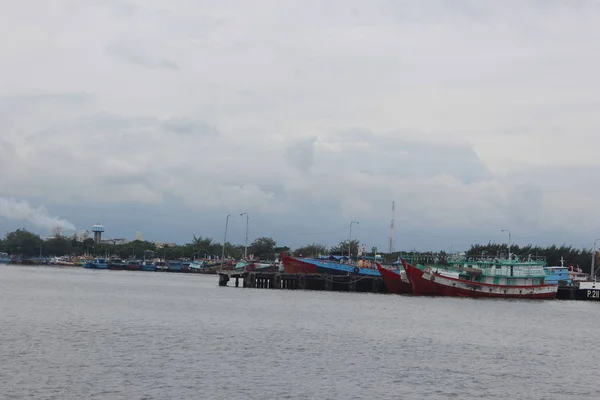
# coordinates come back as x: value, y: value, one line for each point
x: 23, y: 242
x: 342, y: 248
x: 58, y: 246
x: 263, y: 248
x: 311, y: 250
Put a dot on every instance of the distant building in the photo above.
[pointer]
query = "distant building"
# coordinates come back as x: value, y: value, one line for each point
x: 161, y: 245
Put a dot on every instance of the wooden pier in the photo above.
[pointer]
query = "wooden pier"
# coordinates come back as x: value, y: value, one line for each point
x: 280, y: 280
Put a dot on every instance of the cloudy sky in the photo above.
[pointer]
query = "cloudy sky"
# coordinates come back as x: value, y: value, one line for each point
x: 165, y: 116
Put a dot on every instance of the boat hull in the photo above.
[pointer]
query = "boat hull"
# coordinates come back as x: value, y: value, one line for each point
x: 430, y: 282
x: 95, y: 266
x: 293, y: 265
x: 419, y: 286
x: 576, y: 293
x: 393, y: 281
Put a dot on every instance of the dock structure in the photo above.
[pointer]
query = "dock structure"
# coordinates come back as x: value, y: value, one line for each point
x: 281, y: 280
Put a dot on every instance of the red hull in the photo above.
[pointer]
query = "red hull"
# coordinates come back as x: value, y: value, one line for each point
x: 420, y: 286
x: 439, y: 285
x: 393, y: 282
x: 292, y: 265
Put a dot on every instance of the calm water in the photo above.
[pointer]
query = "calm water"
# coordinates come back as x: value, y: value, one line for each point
x: 69, y: 333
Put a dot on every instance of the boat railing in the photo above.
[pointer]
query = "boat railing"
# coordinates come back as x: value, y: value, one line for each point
x: 516, y: 272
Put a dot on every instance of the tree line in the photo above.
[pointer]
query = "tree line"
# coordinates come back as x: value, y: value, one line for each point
x: 28, y: 244
x: 25, y: 243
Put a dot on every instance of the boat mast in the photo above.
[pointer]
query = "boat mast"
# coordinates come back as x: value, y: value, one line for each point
x: 391, y: 239
x: 507, y: 230
x: 592, y: 274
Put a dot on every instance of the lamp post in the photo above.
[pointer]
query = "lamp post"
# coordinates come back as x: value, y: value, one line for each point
x: 350, y: 240
x: 246, y: 245
x: 225, y: 237
x: 592, y: 274
x: 507, y: 230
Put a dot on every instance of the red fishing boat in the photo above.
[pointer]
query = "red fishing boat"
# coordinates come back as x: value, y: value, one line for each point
x: 293, y: 265
x: 419, y: 287
x: 133, y: 265
x: 483, y: 277
x: 393, y: 280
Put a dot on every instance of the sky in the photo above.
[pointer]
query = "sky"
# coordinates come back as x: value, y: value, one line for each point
x: 164, y: 117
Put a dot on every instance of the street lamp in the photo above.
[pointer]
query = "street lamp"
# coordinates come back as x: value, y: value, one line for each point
x: 350, y: 239
x: 592, y: 274
x: 246, y: 245
x: 225, y: 238
x: 507, y: 230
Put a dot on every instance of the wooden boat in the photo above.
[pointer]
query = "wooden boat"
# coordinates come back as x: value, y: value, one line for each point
x: 394, y: 281
x: 293, y: 265
x: 116, y: 263
x: 148, y: 266
x: 483, y: 277
x: 97, y: 263
x: 133, y: 265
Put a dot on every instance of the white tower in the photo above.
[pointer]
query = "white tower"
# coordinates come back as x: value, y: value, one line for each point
x: 97, y: 229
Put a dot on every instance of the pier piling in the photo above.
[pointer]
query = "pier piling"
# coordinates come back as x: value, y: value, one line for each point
x: 281, y: 280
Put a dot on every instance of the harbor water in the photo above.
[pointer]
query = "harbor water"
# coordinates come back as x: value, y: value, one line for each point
x: 70, y: 333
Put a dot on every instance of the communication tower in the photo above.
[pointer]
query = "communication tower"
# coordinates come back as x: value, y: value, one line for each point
x: 392, y: 229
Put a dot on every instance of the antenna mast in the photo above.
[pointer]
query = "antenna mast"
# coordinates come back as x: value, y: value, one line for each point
x: 392, y: 229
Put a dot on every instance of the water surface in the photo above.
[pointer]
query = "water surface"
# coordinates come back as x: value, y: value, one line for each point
x: 70, y: 333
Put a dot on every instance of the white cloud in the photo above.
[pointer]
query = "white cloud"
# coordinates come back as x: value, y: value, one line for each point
x: 469, y: 114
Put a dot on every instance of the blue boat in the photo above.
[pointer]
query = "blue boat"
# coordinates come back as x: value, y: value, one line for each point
x: 148, y: 266
x: 4, y: 258
x: 338, y: 268
x: 558, y: 275
x: 174, y: 266
x: 97, y: 263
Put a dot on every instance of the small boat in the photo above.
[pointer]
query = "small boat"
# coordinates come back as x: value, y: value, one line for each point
x: 96, y: 263
x: 185, y: 266
x: 482, y: 277
x: 161, y: 266
x: 62, y: 261
x: 245, y: 265
x: 133, y: 265
x: 116, y: 263
x: 174, y: 266
x: 265, y: 267
x: 148, y: 266
x: 395, y: 280
x: 4, y: 258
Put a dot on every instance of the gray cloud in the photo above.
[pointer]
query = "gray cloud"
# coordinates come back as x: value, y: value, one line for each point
x: 301, y: 154
x: 472, y: 116
x: 187, y: 126
x: 135, y: 54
